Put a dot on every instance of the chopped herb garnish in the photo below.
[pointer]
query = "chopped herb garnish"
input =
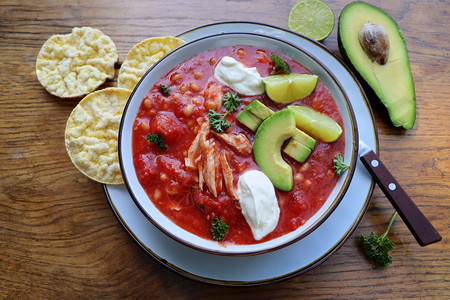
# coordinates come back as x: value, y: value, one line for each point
x: 218, y: 121
x: 218, y: 229
x: 158, y: 140
x: 339, y: 165
x: 377, y: 247
x: 280, y: 67
x: 165, y: 90
x: 231, y: 101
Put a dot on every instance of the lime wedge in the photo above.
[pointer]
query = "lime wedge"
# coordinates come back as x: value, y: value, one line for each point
x: 315, y: 123
x: 313, y: 18
x: 283, y: 88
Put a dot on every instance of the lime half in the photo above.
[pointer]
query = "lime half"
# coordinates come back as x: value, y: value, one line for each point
x: 313, y: 18
x: 284, y: 88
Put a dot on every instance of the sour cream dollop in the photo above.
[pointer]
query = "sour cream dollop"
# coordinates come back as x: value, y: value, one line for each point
x: 245, y: 81
x: 258, y: 202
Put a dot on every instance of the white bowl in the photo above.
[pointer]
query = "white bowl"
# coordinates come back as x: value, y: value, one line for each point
x: 188, y: 50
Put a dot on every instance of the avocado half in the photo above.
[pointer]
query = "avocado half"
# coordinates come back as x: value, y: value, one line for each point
x: 392, y: 82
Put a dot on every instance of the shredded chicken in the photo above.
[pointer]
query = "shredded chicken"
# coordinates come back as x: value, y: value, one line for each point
x: 195, y: 148
x: 227, y: 176
x: 201, y: 180
x: 211, y: 167
x: 205, y: 156
x: 238, y: 142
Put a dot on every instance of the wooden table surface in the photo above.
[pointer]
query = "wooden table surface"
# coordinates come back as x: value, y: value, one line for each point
x: 59, y: 237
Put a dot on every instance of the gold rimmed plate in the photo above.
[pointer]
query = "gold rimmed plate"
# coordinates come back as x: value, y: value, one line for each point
x: 294, y: 259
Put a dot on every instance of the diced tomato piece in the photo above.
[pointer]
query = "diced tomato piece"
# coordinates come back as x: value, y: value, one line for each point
x: 175, y: 170
x: 167, y: 124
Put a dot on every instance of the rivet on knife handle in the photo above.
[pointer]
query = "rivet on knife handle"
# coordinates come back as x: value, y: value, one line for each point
x: 418, y: 224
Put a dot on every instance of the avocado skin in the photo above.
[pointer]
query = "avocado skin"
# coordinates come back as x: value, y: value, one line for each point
x: 398, y: 94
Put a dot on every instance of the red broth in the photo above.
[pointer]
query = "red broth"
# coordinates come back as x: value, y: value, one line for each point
x: 174, y: 189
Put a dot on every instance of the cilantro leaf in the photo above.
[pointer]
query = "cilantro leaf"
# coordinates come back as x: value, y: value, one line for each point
x: 339, y: 165
x: 281, y: 67
x: 377, y: 247
x: 218, y: 121
x: 231, y: 101
x: 157, y: 139
x: 218, y: 229
x: 165, y: 90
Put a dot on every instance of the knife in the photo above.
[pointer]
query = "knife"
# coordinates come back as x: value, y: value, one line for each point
x: 422, y: 230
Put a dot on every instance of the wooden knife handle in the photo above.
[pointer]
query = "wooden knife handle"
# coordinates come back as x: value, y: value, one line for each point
x: 418, y: 224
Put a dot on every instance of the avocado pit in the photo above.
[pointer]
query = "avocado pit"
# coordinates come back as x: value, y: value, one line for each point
x: 375, y: 42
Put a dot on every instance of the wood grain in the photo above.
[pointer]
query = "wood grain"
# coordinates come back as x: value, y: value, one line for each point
x: 60, y: 239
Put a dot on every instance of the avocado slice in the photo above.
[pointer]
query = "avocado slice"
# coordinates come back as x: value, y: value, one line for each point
x: 300, y: 146
x: 256, y: 112
x: 249, y: 120
x: 269, y: 139
x: 297, y: 150
x: 304, y: 139
x: 259, y: 109
x: 388, y: 75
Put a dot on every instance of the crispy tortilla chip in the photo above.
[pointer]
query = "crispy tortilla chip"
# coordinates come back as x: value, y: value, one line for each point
x: 142, y: 56
x: 91, y: 134
x: 76, y: 64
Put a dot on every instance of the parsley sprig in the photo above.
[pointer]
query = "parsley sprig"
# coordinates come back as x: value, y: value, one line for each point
x: 158, y: 140
x: 377, y: 247
x: 165, y: 90
x: 339, y: 165
x: 218, y: 229
x: 280, y: 67
x: 231, y: 101
x: 219, y: 121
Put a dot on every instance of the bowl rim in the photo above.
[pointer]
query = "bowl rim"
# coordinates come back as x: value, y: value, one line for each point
x: 223, y: 250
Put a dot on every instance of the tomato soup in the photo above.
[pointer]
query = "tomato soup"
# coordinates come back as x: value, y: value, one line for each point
x: 178, y: 116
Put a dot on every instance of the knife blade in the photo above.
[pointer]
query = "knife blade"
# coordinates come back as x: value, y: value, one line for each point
x: 420, y: 227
